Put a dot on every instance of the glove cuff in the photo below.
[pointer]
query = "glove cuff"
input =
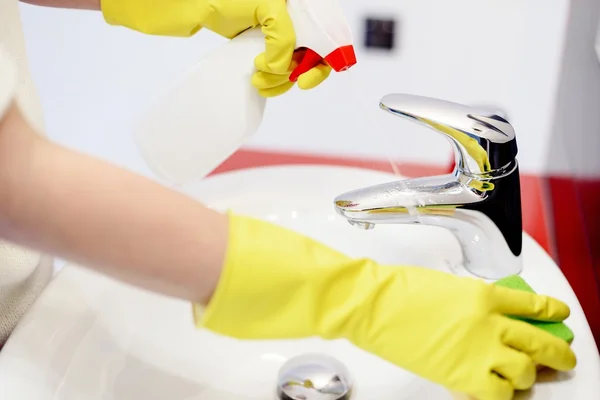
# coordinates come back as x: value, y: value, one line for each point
x: 159, y: 18
x: 276, y: 284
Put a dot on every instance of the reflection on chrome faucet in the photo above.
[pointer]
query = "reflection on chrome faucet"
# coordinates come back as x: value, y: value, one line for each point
x: 480, y: 201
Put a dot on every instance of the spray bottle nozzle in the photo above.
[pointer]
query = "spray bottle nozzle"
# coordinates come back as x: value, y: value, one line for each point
x: 340, y: 59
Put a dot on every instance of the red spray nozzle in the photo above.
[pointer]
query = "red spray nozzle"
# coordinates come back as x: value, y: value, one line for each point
x: 340, y: 59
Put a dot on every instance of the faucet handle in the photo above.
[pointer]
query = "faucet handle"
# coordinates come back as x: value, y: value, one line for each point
x: 484, y: 142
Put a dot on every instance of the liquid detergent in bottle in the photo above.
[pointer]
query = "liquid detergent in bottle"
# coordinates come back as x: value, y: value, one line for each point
x: 214, y: 109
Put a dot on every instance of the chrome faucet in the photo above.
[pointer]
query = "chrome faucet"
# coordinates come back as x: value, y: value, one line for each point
x: 480, y: 201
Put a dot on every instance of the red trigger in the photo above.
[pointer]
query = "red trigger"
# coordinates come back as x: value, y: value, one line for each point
x: 310, y: 59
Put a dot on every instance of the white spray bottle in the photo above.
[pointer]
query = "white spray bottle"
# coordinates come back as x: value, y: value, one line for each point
x: 214, y: 109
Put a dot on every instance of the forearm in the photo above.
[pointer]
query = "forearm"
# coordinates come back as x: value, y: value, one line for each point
x: 77, y: 4
x: 101, y: 216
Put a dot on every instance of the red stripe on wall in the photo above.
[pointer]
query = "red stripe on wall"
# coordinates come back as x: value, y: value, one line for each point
x: 588, y: 191
x: 575, y: 207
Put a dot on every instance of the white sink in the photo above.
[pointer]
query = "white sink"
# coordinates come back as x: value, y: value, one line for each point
x: 90, y: 337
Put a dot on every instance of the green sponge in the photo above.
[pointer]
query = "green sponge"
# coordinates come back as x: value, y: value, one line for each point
x: 557, y: 329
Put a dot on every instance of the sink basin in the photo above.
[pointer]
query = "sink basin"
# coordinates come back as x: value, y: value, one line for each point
x: 91, y: 337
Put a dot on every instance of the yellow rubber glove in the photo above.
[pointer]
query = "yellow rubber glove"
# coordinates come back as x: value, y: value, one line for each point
x: 227, y: 18
x: 448, y: 329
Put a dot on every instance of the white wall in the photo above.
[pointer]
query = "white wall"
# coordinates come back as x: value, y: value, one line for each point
x: 575, y: 132
x: 93, y: 79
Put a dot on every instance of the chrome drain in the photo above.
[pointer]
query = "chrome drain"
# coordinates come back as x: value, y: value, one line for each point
x: 314, y: 377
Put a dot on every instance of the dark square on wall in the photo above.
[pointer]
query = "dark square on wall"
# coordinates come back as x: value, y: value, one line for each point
x: 380, y: 33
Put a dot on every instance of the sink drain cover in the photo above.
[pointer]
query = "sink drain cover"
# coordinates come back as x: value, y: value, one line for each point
x: 313, y: 377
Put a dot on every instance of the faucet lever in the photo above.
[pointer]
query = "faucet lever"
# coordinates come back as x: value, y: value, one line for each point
x: 484, y: 142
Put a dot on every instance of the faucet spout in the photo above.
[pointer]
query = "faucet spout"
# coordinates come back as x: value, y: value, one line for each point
x: 479, y: 201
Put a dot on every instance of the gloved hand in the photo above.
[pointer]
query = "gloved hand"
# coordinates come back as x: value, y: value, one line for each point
x: 227, y: 18
x: 450, y: 330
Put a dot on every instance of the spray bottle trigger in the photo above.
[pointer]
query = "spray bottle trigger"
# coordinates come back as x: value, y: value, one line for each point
x: 309, y: 60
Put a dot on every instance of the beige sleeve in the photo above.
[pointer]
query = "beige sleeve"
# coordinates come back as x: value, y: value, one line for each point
x: 23, y: 273
x: 12, y: 40
x: 8, y: 81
